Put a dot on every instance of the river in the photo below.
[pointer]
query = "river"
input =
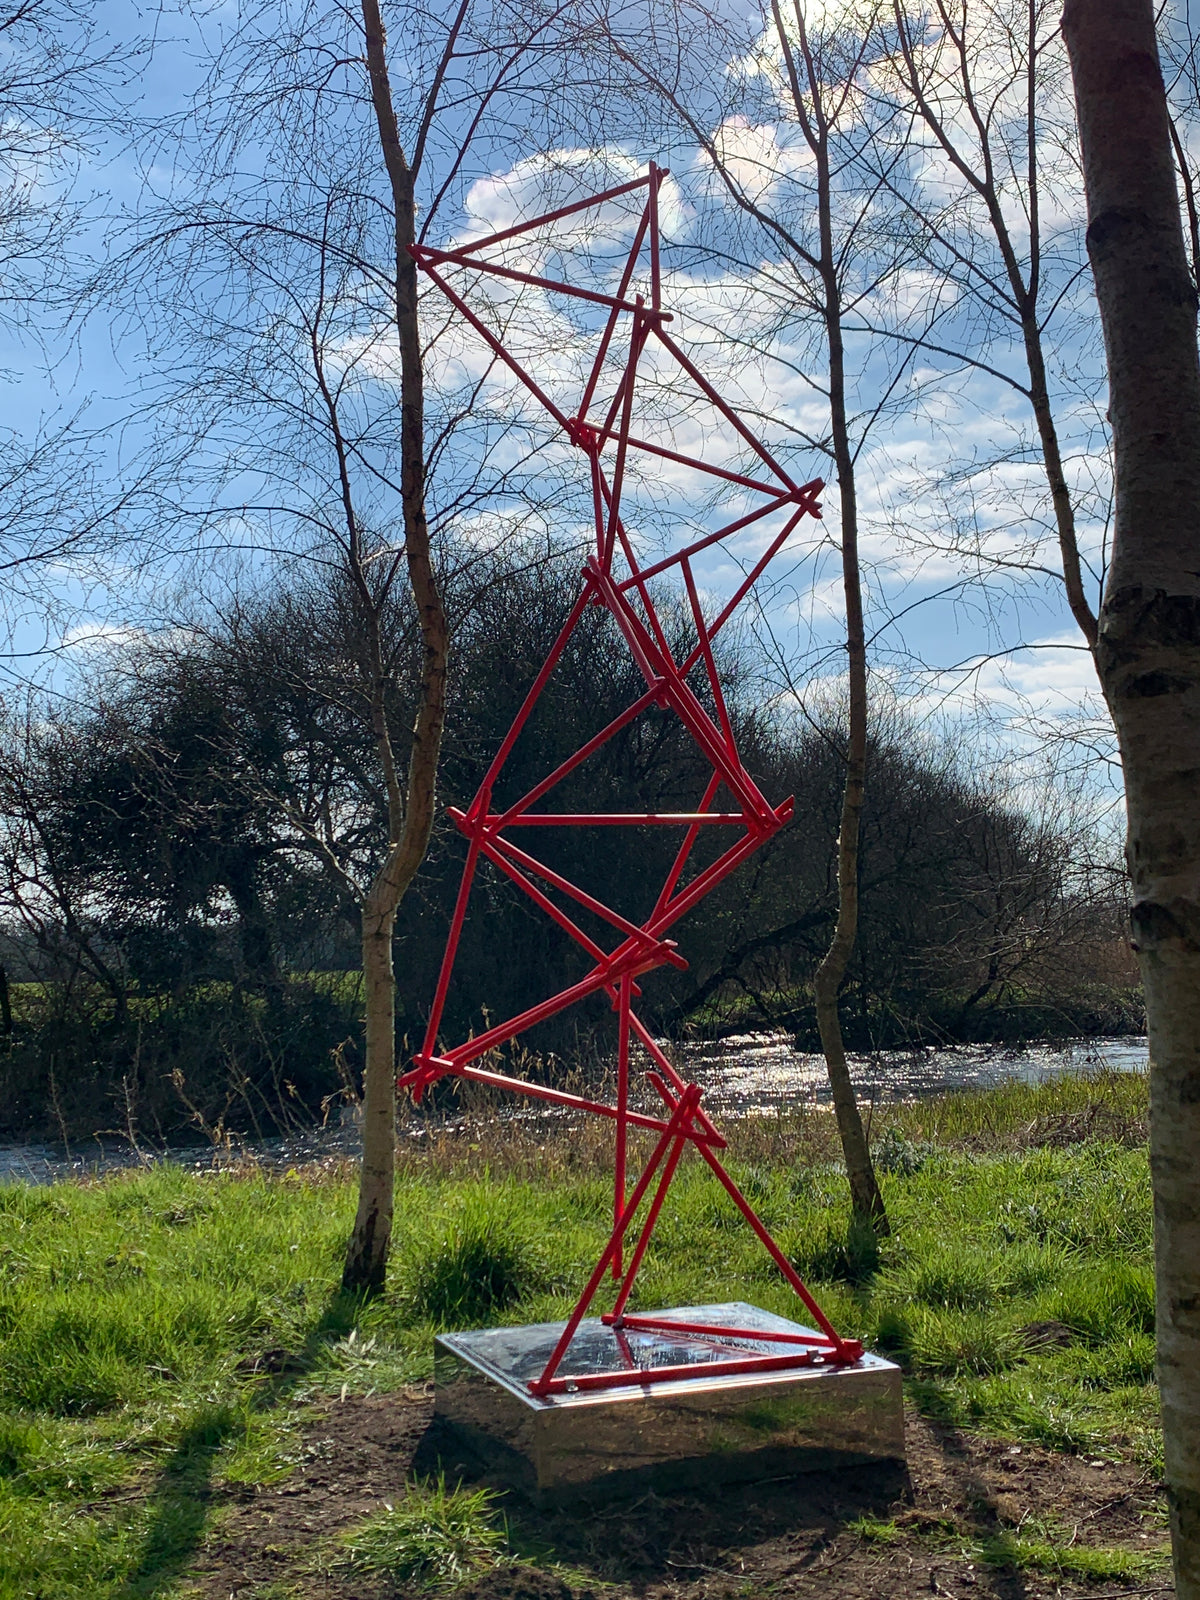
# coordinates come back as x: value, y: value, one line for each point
x: 745, y: 1075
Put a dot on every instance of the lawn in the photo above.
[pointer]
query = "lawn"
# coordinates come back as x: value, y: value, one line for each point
x: 166, y: 1338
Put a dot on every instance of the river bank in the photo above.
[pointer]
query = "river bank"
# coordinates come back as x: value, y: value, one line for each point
x: 188, y: 1406
x: 744, y: 1075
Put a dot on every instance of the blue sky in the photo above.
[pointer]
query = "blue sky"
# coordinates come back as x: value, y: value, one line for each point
x: 963, y: 608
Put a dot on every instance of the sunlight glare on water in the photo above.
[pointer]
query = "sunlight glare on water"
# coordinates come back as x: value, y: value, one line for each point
x: 747, y: 1074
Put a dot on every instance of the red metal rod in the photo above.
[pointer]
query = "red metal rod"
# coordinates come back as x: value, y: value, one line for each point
x: 660, y: 1085
x: 730, y: 416
x: 685, y: 849
x: 712, y: 1330
x: 705, y: 882
x: 610, y: 327
x: 622, y: 819
x: 656, y: 1204
x: 755, y: 573
x: 676, y: 691
x: 632, y: 931
x: 626, y: 1352
x: 702, y: 544
x: 447, y: 967
x: 652, y: 212
x: 556, y: 216
x: 514, y: 811
x: 773, y: 1250
x: 622, y: 1112
x: 637, y: 340
x: 776, y: 1254
x: 574, y: 1102
x: 597, y: 501
x: 632, y: 563
x: 680, y: 1119
x: 539, y: 683
x: 779, y: 495
x: 644, y: 1375
x: 428, y: 256
x: 628, y: 957
x: 710, y: 665
x: 543, y: 901
x: 637, y: 639
x: 494, y: 344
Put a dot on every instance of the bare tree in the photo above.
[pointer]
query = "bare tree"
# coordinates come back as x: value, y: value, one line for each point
x: 295, y: 296
x: 985, y: 80
x: 821, y: 207
x: 410, y: 816
x: 60, y: 81
x: 1148, y: 652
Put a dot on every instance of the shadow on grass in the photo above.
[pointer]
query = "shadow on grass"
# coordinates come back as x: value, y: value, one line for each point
x: 649, y: 1532
x: 980, y: 1520
x: 180, y: 1503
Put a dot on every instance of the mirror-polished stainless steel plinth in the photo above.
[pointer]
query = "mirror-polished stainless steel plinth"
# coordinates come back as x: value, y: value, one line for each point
x: 678, y: 1432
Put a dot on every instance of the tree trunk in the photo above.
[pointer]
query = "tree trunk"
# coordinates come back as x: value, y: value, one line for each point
x: 365, y: 1271
x: 865, y: 1198
x: 1149, y: 652
x: 411, y: 815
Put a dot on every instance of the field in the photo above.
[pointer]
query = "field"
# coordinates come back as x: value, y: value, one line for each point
x: 187, y: 1405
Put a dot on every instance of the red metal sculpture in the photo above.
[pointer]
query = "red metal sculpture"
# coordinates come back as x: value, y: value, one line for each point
x: 639, y: 948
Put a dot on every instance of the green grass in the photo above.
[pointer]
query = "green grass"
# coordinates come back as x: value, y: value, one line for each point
x: 435, y: 1538
x: 1094, y: 1564
x: 161, y: 1333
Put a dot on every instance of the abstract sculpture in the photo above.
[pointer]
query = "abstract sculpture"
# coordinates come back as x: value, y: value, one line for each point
x: 639, y: 949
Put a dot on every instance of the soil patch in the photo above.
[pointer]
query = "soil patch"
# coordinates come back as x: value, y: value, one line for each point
x: 866, y: 1534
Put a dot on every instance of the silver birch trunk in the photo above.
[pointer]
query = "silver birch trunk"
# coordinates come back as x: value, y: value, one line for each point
x: 410, y: 814
x: 1149, y: 652
x: 866, y: 1201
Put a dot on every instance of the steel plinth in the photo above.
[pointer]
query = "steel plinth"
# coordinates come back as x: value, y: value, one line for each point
x: 643, y: 1405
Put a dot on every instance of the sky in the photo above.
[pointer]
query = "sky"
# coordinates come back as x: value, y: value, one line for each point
x: 964, y: 615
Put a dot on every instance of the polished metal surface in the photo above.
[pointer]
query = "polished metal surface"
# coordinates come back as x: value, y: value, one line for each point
x: 686, y: 1430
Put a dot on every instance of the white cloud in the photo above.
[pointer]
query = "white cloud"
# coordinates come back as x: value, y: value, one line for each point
x: 754, y: 156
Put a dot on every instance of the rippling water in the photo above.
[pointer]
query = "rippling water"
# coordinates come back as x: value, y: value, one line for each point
x: 759, y: 1071
x: 745, y: 1075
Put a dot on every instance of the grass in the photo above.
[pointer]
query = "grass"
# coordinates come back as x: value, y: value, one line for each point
x: 162, y: 1333
x: 1094, y: 1564
x: 1021, y: 1552
x: 435, y: 1538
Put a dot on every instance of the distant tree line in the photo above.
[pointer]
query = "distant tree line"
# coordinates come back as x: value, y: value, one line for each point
x: 180, y: 943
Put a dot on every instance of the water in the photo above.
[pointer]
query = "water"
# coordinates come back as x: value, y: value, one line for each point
x: 745, y: 1075
x: 756, y: 1072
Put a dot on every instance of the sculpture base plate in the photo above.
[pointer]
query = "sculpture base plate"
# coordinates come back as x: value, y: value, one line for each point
x: 671, y: 1434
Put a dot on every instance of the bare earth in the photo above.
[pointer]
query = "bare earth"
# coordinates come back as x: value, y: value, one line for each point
x: 781, y: 1539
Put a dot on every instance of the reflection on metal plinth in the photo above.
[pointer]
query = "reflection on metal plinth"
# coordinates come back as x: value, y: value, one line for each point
x: 685, y: 1430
